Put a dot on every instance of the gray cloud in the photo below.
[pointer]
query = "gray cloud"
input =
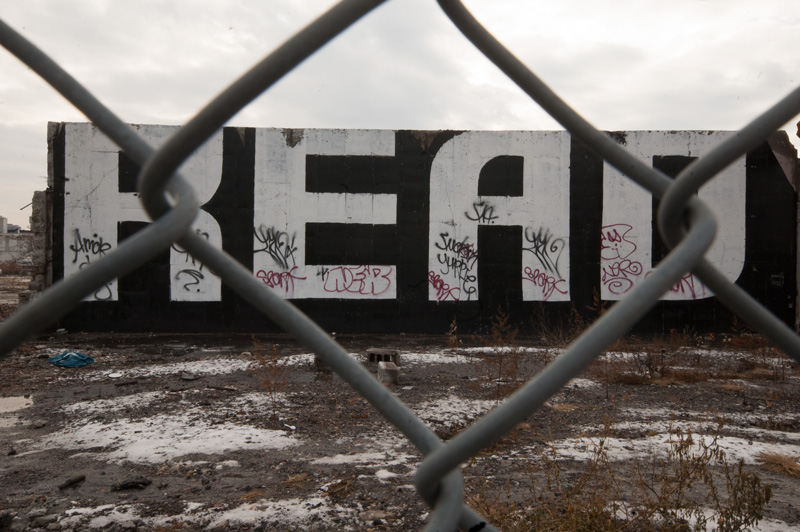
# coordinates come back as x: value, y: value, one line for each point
x: 691, y: 65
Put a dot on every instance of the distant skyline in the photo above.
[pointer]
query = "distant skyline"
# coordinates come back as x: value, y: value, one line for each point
x: 624, y: 65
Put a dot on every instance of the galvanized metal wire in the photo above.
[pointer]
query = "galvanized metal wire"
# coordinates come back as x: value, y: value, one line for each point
x: 170, y: 200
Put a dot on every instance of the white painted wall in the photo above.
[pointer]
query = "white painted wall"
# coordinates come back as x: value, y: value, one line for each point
x: 627, y: 216
x: 283, y: 207
x: 93, y: 206
x: 456, y: 211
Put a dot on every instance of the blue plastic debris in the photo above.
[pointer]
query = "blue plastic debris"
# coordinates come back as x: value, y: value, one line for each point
x: 70, y: 359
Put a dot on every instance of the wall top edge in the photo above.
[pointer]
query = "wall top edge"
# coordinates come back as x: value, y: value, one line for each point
x: 274, y: 128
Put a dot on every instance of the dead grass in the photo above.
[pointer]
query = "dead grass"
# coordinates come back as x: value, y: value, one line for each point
x: 254, y: 495
x: 555, y: 331
x: 666, y: 493
x: 270, y: 372
x: 297, y: 480
x: 565, y: 407
x: 499, y: 366
x: 733, y: 386
x: 781, y: 463
x: 339, y: 489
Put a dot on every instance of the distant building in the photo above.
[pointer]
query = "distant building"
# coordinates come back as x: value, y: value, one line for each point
x: 15, y: 244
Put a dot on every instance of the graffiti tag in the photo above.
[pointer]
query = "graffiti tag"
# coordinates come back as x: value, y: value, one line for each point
x: 443, y: 290
x: 277, y: 244
x: 281, y: 280
x: 545, y: 248
x: 547, y: 283
x: 364, y: 280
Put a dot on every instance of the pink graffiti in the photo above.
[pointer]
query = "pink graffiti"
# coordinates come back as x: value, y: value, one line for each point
x: 688, y: 284
x: 281, y: 280
x: 443, y: 290
x: 614, y: 243
x: 547, y: 283
x: 617, y: 276
x: 365, y: 280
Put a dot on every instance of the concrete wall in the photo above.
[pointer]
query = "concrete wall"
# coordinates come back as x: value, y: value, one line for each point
x: 14, y: 247
x: 42, y: 246
x: 404, y: 231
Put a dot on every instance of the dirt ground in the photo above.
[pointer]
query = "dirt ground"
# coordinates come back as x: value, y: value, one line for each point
x: 222, y: 432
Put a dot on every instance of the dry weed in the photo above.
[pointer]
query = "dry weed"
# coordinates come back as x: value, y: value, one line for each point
x: 339, y: 489
x: 671, y: 493
x: 272, y: 374
x: 781, y: 463
x: 297, y: 480
x: 499, y: 364
x: 452, y: 335
x: 254, y: 495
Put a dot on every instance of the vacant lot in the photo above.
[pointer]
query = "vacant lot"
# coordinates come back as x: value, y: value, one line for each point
x: 246, y: 433
x: 240, y: 433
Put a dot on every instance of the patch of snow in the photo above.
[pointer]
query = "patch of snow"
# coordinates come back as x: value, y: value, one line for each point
x: 77, y: 516
x: 123, y: 402
x: 288, y: 511
x: 504, y: 349
x: 411, y: 359
x: 14, y: 404
x: 384, y: 475
x: 116, y: 515
x: 307, y: 359
x: 218, y: 366
x: 369, y: 458
x: 297, y: 360
x: 582, y: 384
x: 773, y: 525
x: 659, y: 445
x: 163, y: 437
x: 88, y: 511
x: 453, y: 411
x: 663, y: 420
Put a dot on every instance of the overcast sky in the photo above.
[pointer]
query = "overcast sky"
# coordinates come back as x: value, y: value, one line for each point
x: 625, y: 65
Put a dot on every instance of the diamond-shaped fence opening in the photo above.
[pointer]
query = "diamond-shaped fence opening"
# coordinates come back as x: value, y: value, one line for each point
x: 685, y: 223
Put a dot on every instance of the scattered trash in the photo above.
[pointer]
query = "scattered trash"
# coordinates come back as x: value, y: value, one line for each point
x: 114, y: 375
x: 136, y: 483
x: 61, y: 331
x: 290, y: 427
x: 71, y: 482
x: 70, y: 359
x: 189, y: 376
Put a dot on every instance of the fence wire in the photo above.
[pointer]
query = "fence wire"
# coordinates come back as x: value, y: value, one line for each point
x: 684, y: 222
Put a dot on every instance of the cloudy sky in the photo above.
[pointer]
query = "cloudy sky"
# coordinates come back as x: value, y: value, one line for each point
x: 625, y: 65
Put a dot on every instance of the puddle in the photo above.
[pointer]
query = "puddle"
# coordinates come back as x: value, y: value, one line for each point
x: 12, y: 404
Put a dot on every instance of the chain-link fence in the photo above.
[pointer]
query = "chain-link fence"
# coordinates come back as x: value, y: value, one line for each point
x: 685, y: 223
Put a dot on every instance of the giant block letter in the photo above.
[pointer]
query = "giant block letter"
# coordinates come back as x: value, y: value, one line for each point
x: 283, y: 207
x: 94, y: 205
x: 627, y: 235
x: 539, y: 205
